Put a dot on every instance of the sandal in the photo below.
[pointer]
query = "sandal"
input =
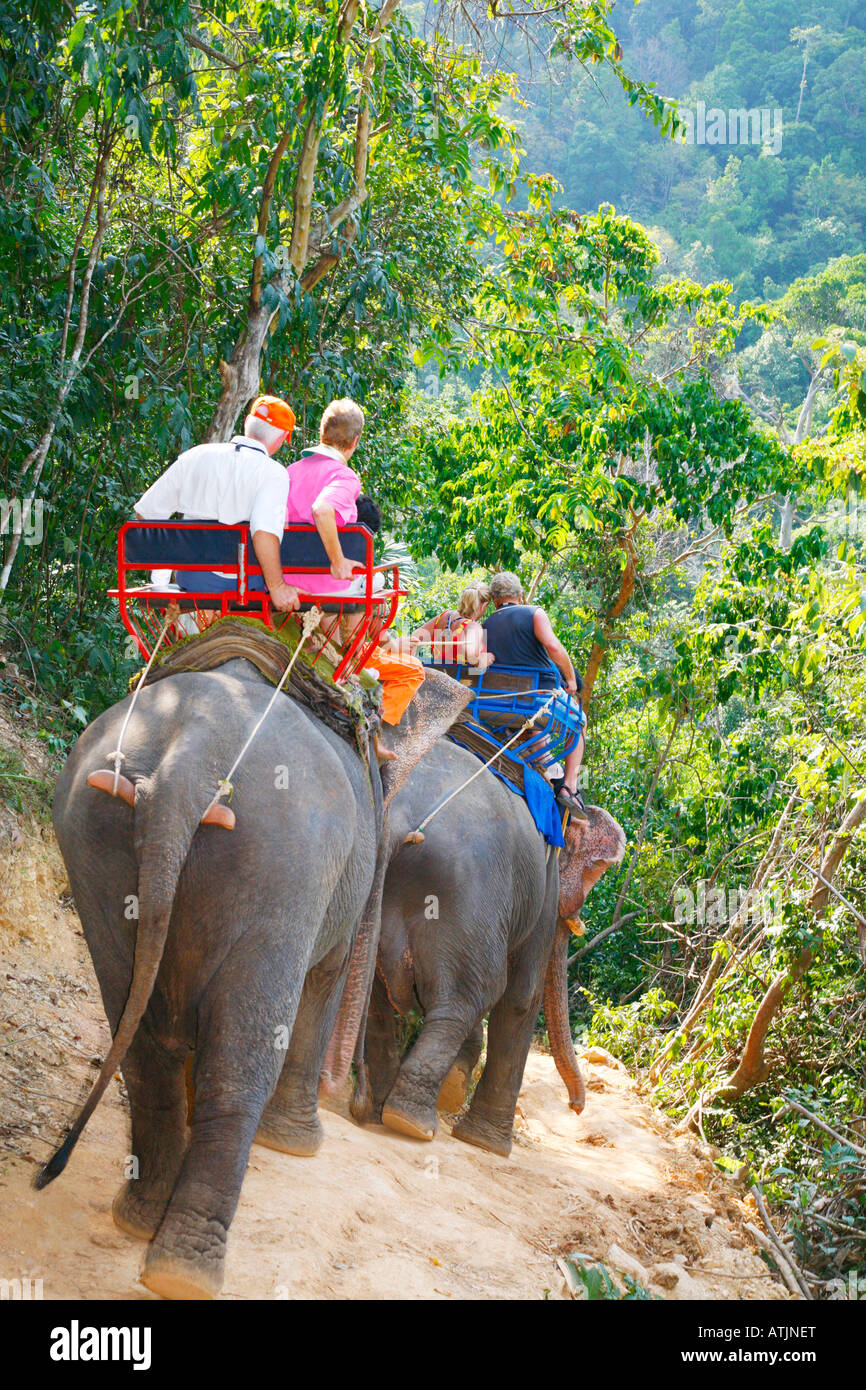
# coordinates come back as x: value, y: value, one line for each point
x: 574, y: 802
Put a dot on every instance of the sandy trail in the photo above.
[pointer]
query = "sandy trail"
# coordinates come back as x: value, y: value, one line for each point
x: 374, y: 1215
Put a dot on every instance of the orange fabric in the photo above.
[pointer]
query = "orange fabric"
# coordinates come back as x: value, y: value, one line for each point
x: 275, y: 411
x: 400, y: 676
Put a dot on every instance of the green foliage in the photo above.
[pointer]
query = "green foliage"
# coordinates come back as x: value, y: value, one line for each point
x: 597, y: 1283
x: 539, y: 463
x: 630, y: 1031
x: 21, y: 791
x: 761, y: 214
x: 779, y: 639
x: 182, y: 136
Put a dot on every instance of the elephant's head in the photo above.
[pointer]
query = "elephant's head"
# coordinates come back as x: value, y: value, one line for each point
x: 433, y: 710
x: 591, y: 847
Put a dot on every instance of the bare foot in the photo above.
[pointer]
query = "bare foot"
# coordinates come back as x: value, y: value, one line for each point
x: 382, y: 753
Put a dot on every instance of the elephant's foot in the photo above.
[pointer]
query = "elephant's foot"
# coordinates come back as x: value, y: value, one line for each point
x: 136, y: 1213
x: 417, y: 1126
x: 452, y: 1092
x: 303, y: 1138
x: 172, y: 1277
x: 187, y: 1258
x: 484, y: 1135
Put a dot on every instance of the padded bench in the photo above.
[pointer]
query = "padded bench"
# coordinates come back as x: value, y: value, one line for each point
x: 197, y: 550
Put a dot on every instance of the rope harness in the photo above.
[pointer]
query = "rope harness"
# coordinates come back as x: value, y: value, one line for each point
x: 416, y: 837
x: 311, y: 620
x: 215, y: 814
x: 118, y: 756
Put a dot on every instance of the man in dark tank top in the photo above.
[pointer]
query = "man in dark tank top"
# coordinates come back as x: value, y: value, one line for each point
x: 519, y: 634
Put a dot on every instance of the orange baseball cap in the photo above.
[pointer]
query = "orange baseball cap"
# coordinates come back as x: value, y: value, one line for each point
x: 275, y: 411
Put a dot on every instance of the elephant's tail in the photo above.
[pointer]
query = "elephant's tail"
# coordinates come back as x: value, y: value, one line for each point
x: 164, y: 831
x: 558, y: 1022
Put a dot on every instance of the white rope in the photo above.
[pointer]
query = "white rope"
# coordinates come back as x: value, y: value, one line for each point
x: 529, y: 724
x: 311, y: 621
x: 502, y: 695
x: 171, y: 616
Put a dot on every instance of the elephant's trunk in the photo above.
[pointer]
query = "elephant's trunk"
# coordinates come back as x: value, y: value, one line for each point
x: 350, y: 1026
x: 558, y: 1023
x: 343, y: 1040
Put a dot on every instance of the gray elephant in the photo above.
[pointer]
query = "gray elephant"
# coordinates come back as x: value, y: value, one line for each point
x: 237, y: 952
x: 474, y: 920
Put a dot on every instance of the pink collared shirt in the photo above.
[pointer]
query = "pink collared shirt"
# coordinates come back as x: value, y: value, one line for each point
x: 321, y: 475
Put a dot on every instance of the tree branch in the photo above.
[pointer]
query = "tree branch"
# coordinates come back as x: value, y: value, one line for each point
x: 265, y: 214
x: 213, y: 53
x: 752, y: 1068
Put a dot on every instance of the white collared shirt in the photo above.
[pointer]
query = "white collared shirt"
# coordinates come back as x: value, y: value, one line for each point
x: 232, y: 482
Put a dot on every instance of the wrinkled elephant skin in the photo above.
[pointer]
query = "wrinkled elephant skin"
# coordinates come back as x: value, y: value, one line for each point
x: 229, y: 946
x: 471, y: 925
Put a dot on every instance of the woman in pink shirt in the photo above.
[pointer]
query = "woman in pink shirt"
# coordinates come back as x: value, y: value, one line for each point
x: 323, y: 491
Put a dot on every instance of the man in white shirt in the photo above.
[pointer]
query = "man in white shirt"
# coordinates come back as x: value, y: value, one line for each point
x: 232, y: 482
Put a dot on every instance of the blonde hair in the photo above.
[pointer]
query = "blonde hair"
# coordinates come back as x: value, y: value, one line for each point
x: 342, y: 422
x: 474, y: 596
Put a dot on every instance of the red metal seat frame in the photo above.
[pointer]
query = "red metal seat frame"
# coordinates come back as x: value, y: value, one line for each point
x: 139, y: 602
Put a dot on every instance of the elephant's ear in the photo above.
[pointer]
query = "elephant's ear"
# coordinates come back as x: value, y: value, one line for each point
x: 433, y: 710
x: 591, y: 846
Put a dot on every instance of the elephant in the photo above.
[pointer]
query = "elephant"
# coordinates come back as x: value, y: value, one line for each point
x: 474, y: 919
x: 226, y: 946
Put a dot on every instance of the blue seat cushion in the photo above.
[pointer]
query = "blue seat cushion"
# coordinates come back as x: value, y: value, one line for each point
x: 206, y: 582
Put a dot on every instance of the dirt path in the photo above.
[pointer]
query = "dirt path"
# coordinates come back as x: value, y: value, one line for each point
x: 375, y: 1215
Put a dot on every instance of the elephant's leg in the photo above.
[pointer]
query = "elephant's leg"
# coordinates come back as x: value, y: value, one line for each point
x: 155, y: 1080
x: 237, y: 1062
x: 291, y: 1121
x: 411, y: 1105
x: 489, y: 1120
x: 382, y: 1055
x: 453, y: 1091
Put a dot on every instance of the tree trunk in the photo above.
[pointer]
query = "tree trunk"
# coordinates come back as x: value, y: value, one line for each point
x: 626, y: 589
x: 241, y: 375
x: 752, y: 1068
x: 804, y: 424
x: 68, y: 370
